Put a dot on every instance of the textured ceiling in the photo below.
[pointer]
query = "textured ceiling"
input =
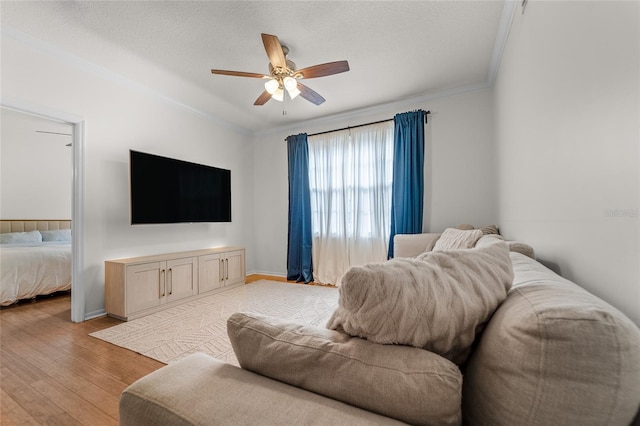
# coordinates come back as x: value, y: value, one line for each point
x: 396, y: 49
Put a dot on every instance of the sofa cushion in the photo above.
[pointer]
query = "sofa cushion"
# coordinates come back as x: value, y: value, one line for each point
x: 412, y: 245
x: 454, y: 239
x: 201, y: 390
x: 553, y: 354
x: 489, y: 230
x: 514, y: 246
x: 437, y: 301
x: 401, y: 382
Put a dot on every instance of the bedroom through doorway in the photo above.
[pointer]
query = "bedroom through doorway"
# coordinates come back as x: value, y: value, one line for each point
x: 37, y: 168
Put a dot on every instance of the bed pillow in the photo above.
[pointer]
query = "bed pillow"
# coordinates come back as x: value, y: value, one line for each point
x: 437, y: 301
x: 455, y: 239
x: 56, y: 235
x: 408, y: 384
x: 21, y: 237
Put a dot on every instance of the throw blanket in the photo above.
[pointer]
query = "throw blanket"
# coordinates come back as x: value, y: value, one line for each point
x: 437, y: 301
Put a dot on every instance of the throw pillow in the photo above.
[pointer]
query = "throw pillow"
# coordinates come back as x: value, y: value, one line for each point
x: 437, y: 301
x: 465, y: 227
x: 490, y: 230
x: 408, y: 384
x: 455, y: 239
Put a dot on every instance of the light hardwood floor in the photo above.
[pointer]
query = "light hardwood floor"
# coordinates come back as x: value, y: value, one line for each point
x: 52, y: 372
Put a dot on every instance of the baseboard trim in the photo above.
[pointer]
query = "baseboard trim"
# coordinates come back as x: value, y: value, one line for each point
x: 95, y: 314
x: 256, y: 277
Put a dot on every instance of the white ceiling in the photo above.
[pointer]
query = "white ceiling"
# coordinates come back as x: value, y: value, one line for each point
x: 396, y: 49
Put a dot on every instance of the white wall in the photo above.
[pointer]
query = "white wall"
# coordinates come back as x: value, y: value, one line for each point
x: 557, y: 166
x: 35, y: 180
x: 119, y: 118
x: 567, y: 134
x: 459, y: 171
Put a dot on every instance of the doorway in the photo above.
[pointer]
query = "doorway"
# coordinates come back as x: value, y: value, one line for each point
x: 76, y: 126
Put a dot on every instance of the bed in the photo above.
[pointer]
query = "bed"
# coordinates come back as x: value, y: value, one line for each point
x: 35, y: 258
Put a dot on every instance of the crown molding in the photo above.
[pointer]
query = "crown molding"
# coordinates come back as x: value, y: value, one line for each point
x: 364, y: 113
x: 39, y: 110
x: 508, y: 12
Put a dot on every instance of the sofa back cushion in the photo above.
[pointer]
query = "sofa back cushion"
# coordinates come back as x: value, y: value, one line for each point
x: 553, y: 354
x: 412, y: 245
x: 404, y: 383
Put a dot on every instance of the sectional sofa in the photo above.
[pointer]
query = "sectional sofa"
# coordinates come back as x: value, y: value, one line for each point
x: 550, y: 354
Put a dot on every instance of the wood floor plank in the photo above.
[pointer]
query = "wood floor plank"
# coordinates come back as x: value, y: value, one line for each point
x: 65, y: 376
x: 53, y: 372
x: 12, y: 413
x: 63, y: 419
x: 21, y: 367
x: 27, y: 397
x: 73, y: 404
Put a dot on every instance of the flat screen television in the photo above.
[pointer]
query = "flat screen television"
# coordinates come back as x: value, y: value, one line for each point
x: 166, y: 190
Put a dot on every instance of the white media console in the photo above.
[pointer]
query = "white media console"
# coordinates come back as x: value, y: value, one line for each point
x: 139, y: 286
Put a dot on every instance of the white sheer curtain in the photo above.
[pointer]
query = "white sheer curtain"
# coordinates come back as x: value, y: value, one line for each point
x: 350, y: 177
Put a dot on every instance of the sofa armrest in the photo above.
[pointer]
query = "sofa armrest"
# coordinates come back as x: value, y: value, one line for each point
x: 553, y: 354
x: 200, y: 390
x: 411, y: 245
x: 405, y: 383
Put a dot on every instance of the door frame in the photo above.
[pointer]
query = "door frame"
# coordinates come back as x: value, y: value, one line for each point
x: 78, y: 307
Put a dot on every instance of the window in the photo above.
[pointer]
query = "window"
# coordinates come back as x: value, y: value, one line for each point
x: 350, y: 180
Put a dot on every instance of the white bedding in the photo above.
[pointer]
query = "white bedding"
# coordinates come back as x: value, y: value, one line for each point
x: 28, y: 270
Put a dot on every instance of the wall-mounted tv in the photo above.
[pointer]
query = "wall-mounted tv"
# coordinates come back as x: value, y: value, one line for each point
x: 166, y: 190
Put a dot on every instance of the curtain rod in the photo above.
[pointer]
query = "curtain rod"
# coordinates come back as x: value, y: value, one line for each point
x: 361, y: 125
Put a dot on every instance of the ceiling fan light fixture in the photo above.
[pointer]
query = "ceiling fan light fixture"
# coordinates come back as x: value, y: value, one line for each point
x: 290, y: 83
x: 271, y: 86
x: 278, y: 95
x: 293, y: 92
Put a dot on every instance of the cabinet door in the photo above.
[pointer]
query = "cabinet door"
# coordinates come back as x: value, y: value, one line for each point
x: 180, y: 278
x: 210, y: 272
x: 145, y: 286
x: 234, y: 267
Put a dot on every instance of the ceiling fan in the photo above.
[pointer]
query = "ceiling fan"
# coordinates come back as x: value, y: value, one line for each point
x: 283, y: 74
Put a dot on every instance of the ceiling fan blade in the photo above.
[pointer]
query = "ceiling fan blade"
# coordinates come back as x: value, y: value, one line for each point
x: 310, y: 95
x: 263, y: 98
x: 274, y: 50
x: 322, y: 70
x: 239, y: 73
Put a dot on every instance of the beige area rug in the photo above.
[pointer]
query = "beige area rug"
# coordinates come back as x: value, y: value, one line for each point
x: 201, y: 325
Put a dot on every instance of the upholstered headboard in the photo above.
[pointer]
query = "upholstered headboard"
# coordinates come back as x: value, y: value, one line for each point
x: 7, y: 226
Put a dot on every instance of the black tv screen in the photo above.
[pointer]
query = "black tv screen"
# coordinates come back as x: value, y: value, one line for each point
x: 166, y: 190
